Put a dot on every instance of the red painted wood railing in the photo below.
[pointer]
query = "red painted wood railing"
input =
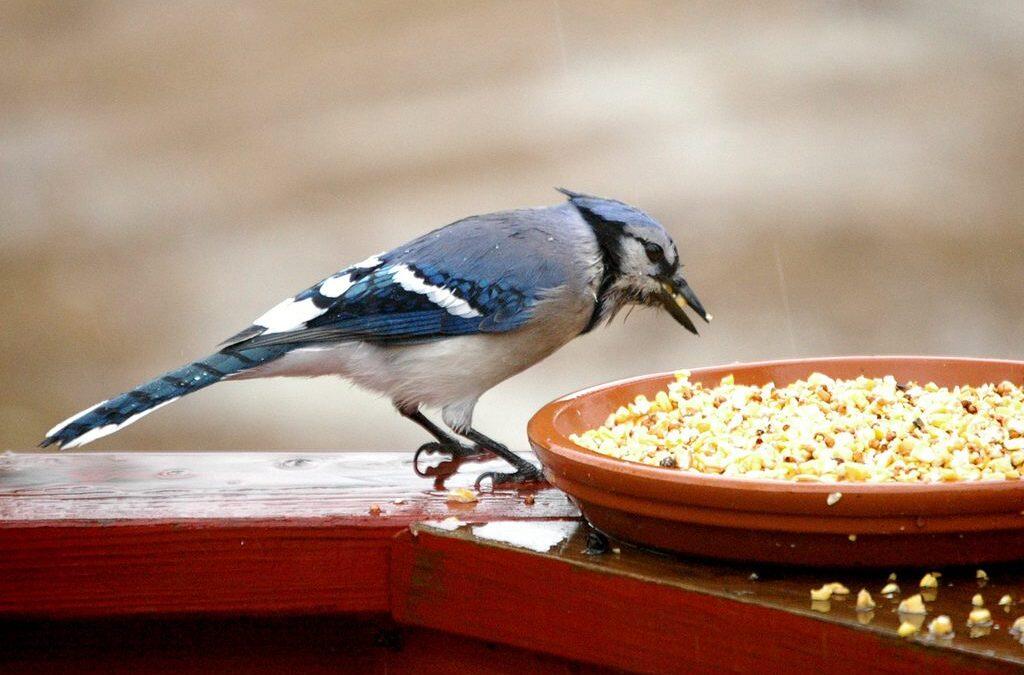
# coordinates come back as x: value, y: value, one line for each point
x: 175, y: 541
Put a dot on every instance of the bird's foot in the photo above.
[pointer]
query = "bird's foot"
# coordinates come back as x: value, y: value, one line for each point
x: 597, y: 543
x: 455, y: 450
x: 524, y: 474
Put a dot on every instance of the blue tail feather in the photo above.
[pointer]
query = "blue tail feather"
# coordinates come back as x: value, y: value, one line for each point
x: 109, y: 416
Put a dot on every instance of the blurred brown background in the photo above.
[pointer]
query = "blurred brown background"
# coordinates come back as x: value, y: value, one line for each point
x: 841, y: 177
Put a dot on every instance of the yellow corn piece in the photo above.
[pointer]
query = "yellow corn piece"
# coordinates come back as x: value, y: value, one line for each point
x: 823, y: 593
x: 461, y: 495
x: 979, y: 616
x: 865, y: 602
x: 912, y: 605
x: 941, y: 626
x: 906, y: 629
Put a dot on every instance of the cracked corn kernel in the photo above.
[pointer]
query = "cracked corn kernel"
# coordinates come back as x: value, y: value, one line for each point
x: 941, y: 626
x: 833, y: 498
x: 865, y: 603
x: 979, y: 616
x: 838, y: 588
x: 981, y: 575
x: 906, y: 629
x: 929, y: 581
x: 912, y: 605
x: 1018, y: 626
x: 890, y: 589
x: 821, y: 429
x: 1005, y: 601
x: 977, y: 600
x: 462, y: 495
x: 823, y: 593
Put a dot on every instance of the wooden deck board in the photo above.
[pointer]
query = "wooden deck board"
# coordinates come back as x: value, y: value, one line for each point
x: 131, y: 536
x: 656, y: 613
x: 321, y: 488
x: 91, y: 535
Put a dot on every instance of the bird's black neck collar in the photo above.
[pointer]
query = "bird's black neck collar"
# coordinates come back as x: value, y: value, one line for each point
x: 608, y: 234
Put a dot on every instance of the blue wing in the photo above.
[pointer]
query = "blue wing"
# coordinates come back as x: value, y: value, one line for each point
x: 481, y: 275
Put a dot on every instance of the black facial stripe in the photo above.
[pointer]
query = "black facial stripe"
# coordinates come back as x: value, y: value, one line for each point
x: 664, y: 265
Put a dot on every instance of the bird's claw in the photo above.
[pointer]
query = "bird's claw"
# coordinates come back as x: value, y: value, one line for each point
x: 453, y: 450
x: 525, y: 474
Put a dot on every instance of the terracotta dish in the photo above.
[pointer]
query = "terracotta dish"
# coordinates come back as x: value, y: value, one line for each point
x: 778, y: 521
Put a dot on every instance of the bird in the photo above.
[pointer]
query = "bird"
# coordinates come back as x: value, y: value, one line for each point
x: 436, y: 322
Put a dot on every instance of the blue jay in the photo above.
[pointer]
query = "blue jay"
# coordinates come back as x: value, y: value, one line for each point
x: 440, y: 320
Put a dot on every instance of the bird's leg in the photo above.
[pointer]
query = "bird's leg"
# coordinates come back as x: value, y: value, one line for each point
x: 445, y: 443
x: 525, y: 471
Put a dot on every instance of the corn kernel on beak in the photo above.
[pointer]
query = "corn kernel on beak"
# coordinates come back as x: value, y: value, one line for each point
x: 677, y: 296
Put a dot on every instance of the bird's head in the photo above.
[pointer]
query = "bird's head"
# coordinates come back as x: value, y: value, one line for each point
x: 641, y: 260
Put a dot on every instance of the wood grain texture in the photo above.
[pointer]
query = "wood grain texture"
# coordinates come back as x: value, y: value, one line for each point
x: 644, y: 612
x: 112, y: 537
x: 211, y: 568
x: 49, y: 487
x: 227, y: 533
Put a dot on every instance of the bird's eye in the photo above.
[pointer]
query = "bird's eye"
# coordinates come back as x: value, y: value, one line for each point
x: 654, y: 252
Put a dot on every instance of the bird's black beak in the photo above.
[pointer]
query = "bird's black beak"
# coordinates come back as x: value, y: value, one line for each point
x: 676, y: 295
